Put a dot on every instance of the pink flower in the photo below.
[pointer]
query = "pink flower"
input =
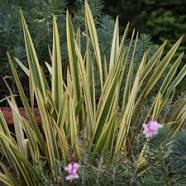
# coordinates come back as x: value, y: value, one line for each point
x: 72, y: 169
x: 151, y: 128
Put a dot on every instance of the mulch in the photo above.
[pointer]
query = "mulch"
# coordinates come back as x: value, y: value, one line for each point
x: 7, y: 112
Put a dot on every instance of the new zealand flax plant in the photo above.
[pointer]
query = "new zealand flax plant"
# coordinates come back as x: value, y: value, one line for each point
x: 75, y: 117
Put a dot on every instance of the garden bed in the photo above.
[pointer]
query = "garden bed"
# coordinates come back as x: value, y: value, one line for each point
x: 7, y: 112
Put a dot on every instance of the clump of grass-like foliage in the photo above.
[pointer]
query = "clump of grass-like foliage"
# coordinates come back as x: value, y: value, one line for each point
x: 94, y: 127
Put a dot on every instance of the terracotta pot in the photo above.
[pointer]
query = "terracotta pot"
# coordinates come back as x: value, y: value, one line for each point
x: 7, y: 112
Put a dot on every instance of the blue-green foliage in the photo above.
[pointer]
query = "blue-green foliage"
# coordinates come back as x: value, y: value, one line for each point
x: 177, y: 157
x: 39, y: 16
x: 165, y: 156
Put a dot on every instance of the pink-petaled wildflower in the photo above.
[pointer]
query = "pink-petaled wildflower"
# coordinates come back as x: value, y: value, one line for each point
x: 72, y: 169
x: 151, y: 128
